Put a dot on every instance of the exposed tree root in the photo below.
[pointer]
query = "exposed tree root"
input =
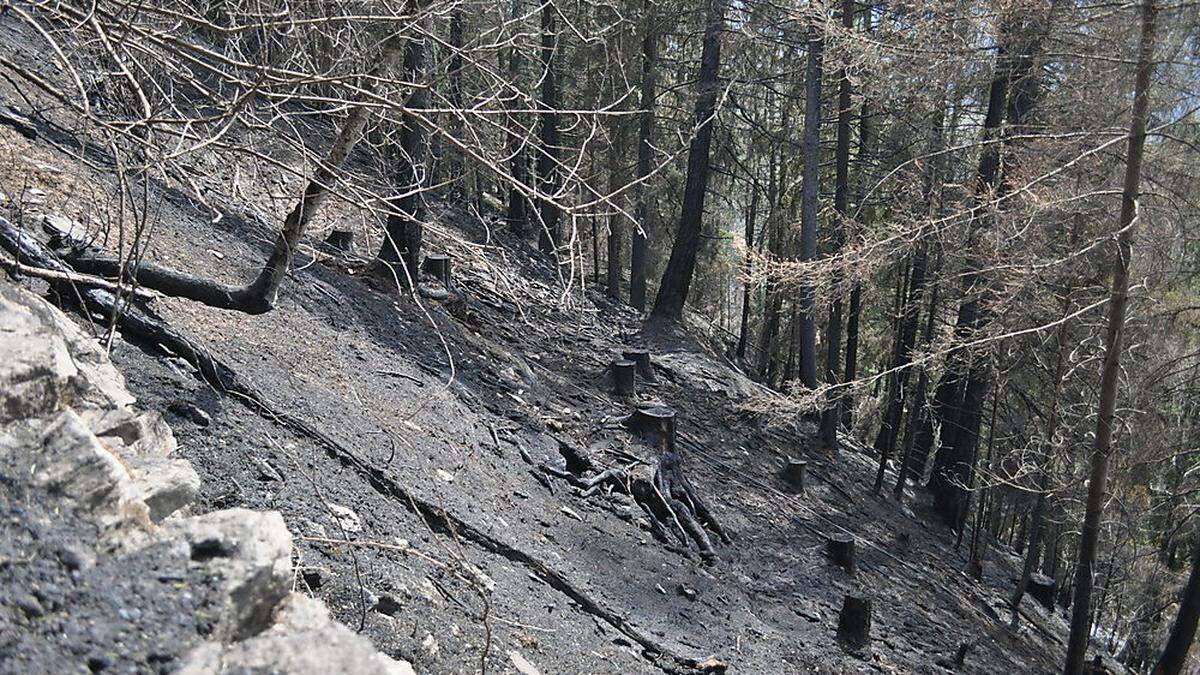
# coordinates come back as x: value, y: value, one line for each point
x: 675, y: 511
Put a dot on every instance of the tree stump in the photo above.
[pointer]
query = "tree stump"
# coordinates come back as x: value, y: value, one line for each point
x: 1042, y: 588
x: 641, y: 357
x: 794, y: 472
x: 840, y: 548
x: 624, y: 377
x: 437, y: 265
x: 655, y: 422
x: 975, y: 569
x: 341, y: 240
x: 854, y: 623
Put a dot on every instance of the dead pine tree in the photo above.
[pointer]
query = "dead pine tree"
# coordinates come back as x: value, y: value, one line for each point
x: 1111, y: 369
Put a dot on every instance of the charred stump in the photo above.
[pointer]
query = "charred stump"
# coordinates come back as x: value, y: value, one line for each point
x: 641, y: 358
x: 437, y: 265
x: 854, y: 623
x: 840, y: 548
x: 655, y: 423
x: 624, y: 377
x: 341, y: 240
x: 794, y: 474
x: 1042, y: 588
x: 674, y: 507
x: 975, y: 569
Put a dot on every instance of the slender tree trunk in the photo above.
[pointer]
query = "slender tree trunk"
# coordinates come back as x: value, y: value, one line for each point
x: 1110, y: 371
x: 748, y: 269
x: 645, y: 154
x: 918, y: 414
x: 677, y: 279
x: 1183, y: 632
x: 831, y: 417
x: 549, y: 237
x: 810, y: 189
x: 518, y: 204
x: 406, y: 218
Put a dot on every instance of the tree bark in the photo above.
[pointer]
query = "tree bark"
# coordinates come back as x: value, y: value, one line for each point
x: 548, y: 154
x: 811, y: 149
x: 1183, y: 632
x: 406, y: 218
x: 677, y: 279
x: 1110, y: 371
x: 645, y: 154
x: 517, y: 216
x: 831, y: 417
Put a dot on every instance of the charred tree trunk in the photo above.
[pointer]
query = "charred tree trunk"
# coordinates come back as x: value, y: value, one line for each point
x: 831, y: 417
x: 645, y: 153
x: 811, y: 150
x: 406, y: 218
x: 547, y: 161
x: 518, y: 205
x: 1183, y: 631
x: 1110, y: 371
x: 616, y: 229
x: 748, y: 269
x: 919, y: 416
x: 677, y: 279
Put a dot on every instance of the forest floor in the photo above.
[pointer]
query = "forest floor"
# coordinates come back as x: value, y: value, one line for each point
x: 414, y: 482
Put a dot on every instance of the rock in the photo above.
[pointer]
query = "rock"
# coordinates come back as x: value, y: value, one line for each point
x: 66, y: 460
x: 29, y: 605
x: 191, y: 413
x: 166, y: 485
x: 346, y: 518
x: 687, y: 592
x: 251, y: 552
x: 302, y: 641
x: 522, y: 664
x: 48, y: 363
x: 75, y: 557
x: 144, y: 433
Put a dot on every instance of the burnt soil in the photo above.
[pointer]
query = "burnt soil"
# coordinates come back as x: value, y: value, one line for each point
x: 401, y: 440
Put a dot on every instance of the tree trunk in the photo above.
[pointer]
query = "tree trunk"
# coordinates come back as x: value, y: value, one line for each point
x: 406, y: 218
x: 831, y: 417
x: 677, y: 279
x: 518, y: 205
x: 811, y: 150
x: 1110, y: 371
x: 748, y: 269
x: 1183, y: 632
x: 645, y: 153
x: 547, y: 161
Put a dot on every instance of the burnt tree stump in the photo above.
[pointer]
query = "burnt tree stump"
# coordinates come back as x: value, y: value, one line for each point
x: 624, y: 377
x: 854, y: 623
x: 641, y: 358
x: 1042, y: 588
x: 840, y: 548
x: 657, y: 423
x: 437, y: 265
x: 975, y: 569
x: 794, y: 473
x: 341, y: 240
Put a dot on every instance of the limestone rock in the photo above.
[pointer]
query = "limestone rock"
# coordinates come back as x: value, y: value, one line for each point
x: 64, y: 458
x: 304, y: 640
x: 251, y: 552
x: 166, y: 485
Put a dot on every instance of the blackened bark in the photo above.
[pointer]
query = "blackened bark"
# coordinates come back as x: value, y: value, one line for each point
x: 747, y: 269
x: 677, y: 279
x: 811, y: 150
x: 518, y: 205
x: 548, y: 153
x: 406, y: 216
x: 1183, y: 632
x: 637, y: 256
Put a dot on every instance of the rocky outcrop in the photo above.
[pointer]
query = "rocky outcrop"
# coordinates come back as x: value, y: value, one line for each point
x: 87, y: 476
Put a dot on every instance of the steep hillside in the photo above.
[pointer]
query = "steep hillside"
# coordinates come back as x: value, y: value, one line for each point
x: 428, y: 456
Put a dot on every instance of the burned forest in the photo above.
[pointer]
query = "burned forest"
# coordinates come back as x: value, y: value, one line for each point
x: 599, y: 336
